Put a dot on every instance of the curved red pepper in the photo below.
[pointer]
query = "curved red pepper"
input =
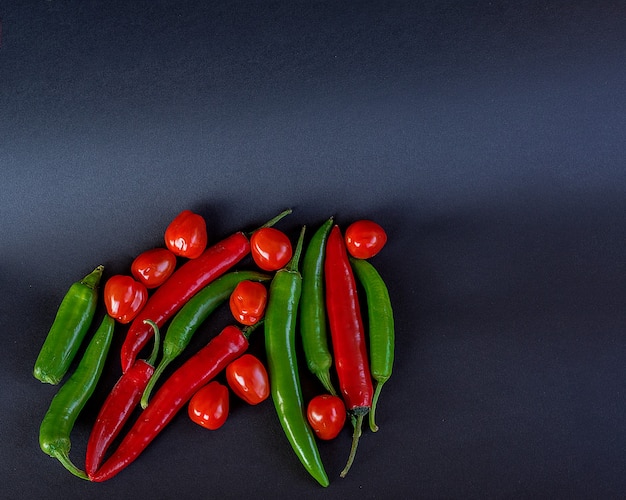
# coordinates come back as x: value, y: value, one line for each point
x: 172, y: 396
x: 118, y: 406
x: 115, y: 411
x: 183, y: 284
x: 348, y: 335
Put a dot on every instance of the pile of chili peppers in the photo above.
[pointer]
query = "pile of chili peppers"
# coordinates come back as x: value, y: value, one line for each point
x: 179, y: 286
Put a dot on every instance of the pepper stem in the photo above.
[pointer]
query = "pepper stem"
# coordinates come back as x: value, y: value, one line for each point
x: 153, y: 380
x: 250, y: 328
x: 157, y: 342
x: 372, y: 417
x: 92, y: 280
x: 151, y: 361
x: 357, y: 422
x: 274, y: 220
x: 324, y: 378
x: 63, y: 457
x: 292, y: 266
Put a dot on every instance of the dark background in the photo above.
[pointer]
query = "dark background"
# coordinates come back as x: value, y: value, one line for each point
x: 488, y: 138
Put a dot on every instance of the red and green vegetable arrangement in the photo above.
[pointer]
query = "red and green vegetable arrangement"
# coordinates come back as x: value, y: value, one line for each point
x: 310, y: 295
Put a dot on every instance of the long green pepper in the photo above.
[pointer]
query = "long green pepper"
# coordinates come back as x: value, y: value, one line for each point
x: 381, y: 328
x: 192, y: 315
x: 280, y: 326
x: 70, y: 325
x: 313, y: 309
x: 58, y: 422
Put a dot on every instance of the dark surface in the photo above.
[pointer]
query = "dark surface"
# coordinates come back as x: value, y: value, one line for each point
x: 488, y: 139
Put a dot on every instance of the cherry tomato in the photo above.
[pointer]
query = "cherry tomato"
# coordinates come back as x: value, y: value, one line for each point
x: 186, y: 235
x: 364, y: 239
x: 247, y: 302
x: 124, y: 297
x: 247, y: 377
x: 327, y: 415
x: 209, y: 406
x: 153, y: 267
x: 270, y: 248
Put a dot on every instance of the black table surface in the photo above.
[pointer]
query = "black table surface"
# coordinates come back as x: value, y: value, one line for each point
x: 488, y: 138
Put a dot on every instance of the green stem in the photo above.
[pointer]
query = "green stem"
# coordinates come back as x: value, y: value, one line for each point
x: 151, y: 361
x: 153, y: 380
x: 357, y: 422
x: 273, y: 220
x: 157, y: 340
x: 372, y: 418
x: 63, y: 457
x: 93, y: 278
x: 292, y: 266
x: 324, y: 378
x: 250, y: 328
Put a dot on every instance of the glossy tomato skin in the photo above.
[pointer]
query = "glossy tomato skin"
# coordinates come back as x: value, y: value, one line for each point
x: 153, y: 267
x: 186, y: 235
x: 248, y: 379
x: 209, y: 406
x: 326, y: 415
x: 124, y: 297
x: 365, y: 238
x: 270, y: 248
x: 247, y: 302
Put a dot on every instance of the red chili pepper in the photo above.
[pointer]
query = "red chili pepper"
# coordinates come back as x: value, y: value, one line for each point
x: 348, y: 335
x: 179, y: 288
x: 118, y: 406
x: 190, y: 278
x: 173, y: 395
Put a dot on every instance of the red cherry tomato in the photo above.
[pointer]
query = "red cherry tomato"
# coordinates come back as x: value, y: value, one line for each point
x: 186, y: 235
x: 124, y: 297
x: 247, y: 377
x: 153, y: 267
x: 364, y: 239
x: 247, y: 302
x: 209, y: 406
x: 270, y: 248
x: 327, y: 415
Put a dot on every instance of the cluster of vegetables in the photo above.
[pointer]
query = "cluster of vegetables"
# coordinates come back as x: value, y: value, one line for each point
x: 180, y: 285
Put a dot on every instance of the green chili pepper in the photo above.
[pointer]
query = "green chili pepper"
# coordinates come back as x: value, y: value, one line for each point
x: 280, y: 326
x: 57, y: 424
x: 381, y: 327
x: 191, y: 316
x: 70, y: 325
x: 313, y: 310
